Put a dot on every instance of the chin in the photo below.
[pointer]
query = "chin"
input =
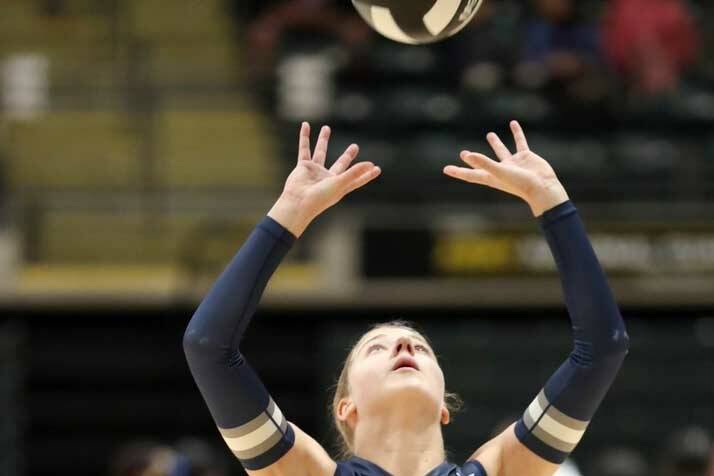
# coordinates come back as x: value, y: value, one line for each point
x: 412, y: 390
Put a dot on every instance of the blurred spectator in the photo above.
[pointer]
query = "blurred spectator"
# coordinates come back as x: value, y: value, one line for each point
x: 54, y: 8
x: 334, y: 19
x: 482, y: 54
x: 687, y: 453
x: 203, y: 458
x: 188, y: 457
x: 561, y: 51
x: 147, y: 458
x: 650, y: 42
x: 619, y: 461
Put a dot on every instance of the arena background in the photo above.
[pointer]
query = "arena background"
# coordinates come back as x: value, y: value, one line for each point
x: 140, y: 140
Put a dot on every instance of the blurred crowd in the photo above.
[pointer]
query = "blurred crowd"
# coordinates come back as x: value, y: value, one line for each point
x: 187, y: 457
x: 581, y: 50
x: 687, y: 452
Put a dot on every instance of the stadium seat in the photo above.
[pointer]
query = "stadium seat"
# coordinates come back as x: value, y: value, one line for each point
x: 74, y: 150
x: 216, y: 150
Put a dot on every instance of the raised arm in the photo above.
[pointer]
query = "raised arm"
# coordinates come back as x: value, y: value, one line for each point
x: 249, y: 420
x: 555, y: 421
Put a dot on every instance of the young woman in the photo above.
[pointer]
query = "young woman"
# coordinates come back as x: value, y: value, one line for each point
x: 390, y: 402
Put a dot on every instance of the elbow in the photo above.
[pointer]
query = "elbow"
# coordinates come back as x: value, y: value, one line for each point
x: 608, y: 350
x: 191, y: 344
x: 621, y: 342
x: 196, y: 344
x: 616, y: 348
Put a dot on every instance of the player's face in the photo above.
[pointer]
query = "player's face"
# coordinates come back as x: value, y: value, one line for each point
x: 396, y: 366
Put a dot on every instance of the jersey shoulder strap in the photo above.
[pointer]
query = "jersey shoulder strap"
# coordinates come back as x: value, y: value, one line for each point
x: 473, y: 468
x: 358, y: 467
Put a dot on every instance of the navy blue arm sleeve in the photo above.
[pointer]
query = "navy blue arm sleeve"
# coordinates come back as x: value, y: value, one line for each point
x: 250, y: 422
x: 555, y: 421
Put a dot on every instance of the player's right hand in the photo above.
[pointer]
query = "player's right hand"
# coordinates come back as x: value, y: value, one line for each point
x: 311, y: 188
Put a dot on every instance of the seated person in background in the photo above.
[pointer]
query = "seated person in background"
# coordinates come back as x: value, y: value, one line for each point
x: 143, y: 458
x: 650, y: 42
x: 54, y: 8
x: 561, y: 52
x: 334, y: 18
x: 483, y: 54
x: 619, y: 461
x: 687, y: 452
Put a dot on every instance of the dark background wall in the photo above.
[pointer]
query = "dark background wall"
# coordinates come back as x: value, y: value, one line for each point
x: 98, y: 379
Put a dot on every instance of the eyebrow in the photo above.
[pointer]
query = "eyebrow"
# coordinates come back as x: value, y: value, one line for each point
x: 416, y: 336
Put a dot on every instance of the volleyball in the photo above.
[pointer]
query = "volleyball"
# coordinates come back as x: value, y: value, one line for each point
x: 417, y: 21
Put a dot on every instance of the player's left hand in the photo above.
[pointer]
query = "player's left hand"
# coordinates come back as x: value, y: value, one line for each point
x: 523, y: 174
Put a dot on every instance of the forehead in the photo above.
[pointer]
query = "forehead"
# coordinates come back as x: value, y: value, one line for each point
x: 391, y: 333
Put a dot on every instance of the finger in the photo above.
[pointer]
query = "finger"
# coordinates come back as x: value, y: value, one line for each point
x: 480, y: 177
x: 304, y: 144
x: 321, y: 147
x: 498, y: 146
x: 345, y: 159
x: 480, y: 161
x: 354, y: 173
x: 364, y: 179
x: 519, y: 136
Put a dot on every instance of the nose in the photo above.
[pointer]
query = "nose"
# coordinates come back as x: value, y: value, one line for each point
x: 404, y: 343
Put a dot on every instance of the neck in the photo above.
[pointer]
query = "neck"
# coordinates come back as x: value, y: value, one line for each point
x: 401, y: 444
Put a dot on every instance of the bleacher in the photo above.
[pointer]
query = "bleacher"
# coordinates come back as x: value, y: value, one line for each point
x: 144, y: 104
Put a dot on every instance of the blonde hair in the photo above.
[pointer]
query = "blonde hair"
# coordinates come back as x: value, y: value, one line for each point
x: 345, y: 447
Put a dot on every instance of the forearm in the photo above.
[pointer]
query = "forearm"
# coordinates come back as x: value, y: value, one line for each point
x: 248, y: 419
x: 556, y: 420
x: 594, y: 314
x: 225, y: 312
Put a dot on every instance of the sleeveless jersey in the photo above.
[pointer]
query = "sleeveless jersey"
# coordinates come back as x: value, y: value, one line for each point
x: 361, y: 467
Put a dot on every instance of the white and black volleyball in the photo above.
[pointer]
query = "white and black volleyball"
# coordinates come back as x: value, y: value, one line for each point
x: 417, y: 21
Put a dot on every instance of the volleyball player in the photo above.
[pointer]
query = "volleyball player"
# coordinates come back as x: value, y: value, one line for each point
x: 391, y: 401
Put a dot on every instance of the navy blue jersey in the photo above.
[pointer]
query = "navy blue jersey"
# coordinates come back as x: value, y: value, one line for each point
x: 361, y: 467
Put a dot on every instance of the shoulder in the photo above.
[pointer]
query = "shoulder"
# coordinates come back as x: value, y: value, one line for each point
x: 305, y: 457
x: 473, y: 468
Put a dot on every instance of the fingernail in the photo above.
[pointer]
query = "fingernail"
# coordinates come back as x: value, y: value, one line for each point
x: 464, y: 153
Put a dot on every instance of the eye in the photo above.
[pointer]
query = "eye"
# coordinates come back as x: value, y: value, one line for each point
x: 421, y: 348
x: 374, y: 347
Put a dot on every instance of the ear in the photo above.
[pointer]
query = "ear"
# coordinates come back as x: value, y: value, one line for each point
x: 445, y: 415
x: 347, y: 411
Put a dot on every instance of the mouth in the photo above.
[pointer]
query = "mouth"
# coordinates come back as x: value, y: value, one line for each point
x: 405, y: 363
